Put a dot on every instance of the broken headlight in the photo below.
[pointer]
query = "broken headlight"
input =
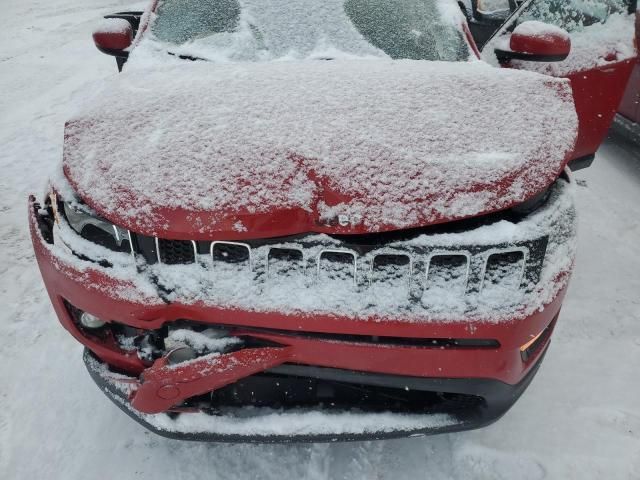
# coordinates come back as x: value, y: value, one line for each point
x: 90, y: 226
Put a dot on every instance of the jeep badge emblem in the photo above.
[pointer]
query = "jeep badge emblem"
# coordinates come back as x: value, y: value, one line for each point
x: 346, y: 220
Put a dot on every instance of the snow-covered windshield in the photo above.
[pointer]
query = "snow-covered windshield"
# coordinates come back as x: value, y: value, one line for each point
x: 252, y: 30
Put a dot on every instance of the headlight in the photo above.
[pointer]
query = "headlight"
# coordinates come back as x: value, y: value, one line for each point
x: 95, y: 229
x: 534, y: 203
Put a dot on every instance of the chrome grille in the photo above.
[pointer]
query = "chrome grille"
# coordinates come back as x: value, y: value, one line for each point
x: 504, y: 267
x: 231, y: 253
x: 285, y: 261
x: 319, y: 258
x: 337, y: 265
x: 387, y: 267
x: 451, y: 268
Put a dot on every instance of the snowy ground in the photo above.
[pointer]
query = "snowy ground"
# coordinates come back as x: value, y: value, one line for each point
x: 579, y: 419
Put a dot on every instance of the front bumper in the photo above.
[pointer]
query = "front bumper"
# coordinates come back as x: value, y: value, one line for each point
x: 323, y: 426
x: 408, y: 354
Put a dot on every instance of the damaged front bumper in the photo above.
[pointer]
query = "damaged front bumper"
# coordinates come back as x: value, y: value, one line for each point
x: 310, y: 371
x: 321, y: 425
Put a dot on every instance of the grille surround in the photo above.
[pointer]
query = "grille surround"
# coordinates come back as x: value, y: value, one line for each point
x: 175, y: 252
x: 313, y: 249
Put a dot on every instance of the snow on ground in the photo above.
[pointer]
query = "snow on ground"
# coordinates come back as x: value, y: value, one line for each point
x: 579, y: 419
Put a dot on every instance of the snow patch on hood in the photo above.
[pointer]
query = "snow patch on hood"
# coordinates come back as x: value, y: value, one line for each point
x: 401, y: 143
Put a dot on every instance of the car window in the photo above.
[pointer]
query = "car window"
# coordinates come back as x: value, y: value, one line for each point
x: 574, y: 15
x: 181, y: 20
x: 264, y: 29
x: 415, y: 30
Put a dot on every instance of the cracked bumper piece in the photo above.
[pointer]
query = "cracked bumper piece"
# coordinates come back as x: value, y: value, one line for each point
x: 267, y: 425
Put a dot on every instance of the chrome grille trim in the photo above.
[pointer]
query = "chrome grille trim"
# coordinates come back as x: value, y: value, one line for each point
x: 241, y: 244
x: 157, y: 241
x: 286, y: 247
x: 389, y: 254
x: 487, y: 255
x: 337, y: 250
x: 449, y: 253
x: 420, y: 257
x: 133, y: 252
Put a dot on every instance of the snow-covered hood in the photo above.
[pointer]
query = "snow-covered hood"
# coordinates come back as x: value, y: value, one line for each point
x: 202, y: 151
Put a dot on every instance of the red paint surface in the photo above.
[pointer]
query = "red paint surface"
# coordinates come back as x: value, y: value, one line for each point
x: 113, y: 40
x: 164, y: 386
x: 549, y: 44
x: 597, y: 93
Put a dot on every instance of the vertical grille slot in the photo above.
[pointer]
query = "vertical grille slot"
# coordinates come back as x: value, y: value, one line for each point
x: 448, y: 271
x: 504, y: 270
x: 337, y: 265
x: 231, y: 256
x: 285, y: 262
x: 175, y: 252
x: 391, y: 269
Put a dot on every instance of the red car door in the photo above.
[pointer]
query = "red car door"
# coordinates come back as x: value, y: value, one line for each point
x: 602, y: 57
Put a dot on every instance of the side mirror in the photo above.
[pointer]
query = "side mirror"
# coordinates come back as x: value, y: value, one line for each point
x: 536, y: 42
x: 113, y: 36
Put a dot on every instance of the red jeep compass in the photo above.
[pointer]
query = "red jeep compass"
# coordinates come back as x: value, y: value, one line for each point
x: 325, y: 219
